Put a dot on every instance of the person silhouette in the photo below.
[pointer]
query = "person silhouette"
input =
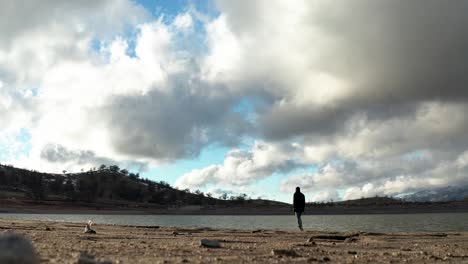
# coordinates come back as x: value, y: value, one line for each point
x: 299, y: 205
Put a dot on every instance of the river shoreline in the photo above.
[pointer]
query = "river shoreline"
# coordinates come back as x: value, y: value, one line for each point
x: 63, y: 242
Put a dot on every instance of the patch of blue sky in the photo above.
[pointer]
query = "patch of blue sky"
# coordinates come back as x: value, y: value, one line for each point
x: 34, y: 91
x: 414, y: 155
x: 341, y: 192
x: 172, y: 8
x: 246, y: 106
x: 172, y: 171
x: 158, y: 7
x: 191, y: 44
x: 18, y: 145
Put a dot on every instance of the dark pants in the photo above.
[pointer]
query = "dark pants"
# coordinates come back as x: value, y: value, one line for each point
x: 299, y: 220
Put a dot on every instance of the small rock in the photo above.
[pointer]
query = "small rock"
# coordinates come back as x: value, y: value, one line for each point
x: 210, y: 243
x: 86, y: 258
x: 256, y: 231
x: 310, y: 240
x: 15, y: 248
x: 175, y: 232
x: 352, y: 252
x: 326, y: 259
x: 284, y: 252
x: 48, y: 229
x: 351, y: 240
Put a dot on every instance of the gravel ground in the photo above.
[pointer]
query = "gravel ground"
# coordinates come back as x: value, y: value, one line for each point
x: 67, y: 243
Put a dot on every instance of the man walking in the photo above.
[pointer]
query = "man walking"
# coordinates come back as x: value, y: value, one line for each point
x: 299, y: 204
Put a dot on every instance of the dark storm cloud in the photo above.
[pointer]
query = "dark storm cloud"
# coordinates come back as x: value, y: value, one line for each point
x: 175, y: 121
x: 395, y: 55
x: 21, y: 17
x: 401, y: 50
x: 56, y: 153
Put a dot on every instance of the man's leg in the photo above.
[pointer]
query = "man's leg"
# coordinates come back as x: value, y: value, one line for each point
x: 299, y: 220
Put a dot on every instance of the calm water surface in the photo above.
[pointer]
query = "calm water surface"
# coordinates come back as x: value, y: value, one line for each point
x: 368, y: 223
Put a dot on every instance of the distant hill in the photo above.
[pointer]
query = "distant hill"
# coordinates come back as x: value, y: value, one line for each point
x: 450, y: 193
x: 108, y: 186
x: 372, y: 201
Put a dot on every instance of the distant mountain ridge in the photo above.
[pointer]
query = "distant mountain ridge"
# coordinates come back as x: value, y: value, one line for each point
x: 444, y: 194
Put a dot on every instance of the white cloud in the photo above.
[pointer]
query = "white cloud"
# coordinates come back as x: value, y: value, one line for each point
x: 225, y: 52
x: 241, y: 167
x: 183, y: 22
x: 325, y: 196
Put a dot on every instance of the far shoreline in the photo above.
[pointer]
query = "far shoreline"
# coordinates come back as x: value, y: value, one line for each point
x: 358, y: 210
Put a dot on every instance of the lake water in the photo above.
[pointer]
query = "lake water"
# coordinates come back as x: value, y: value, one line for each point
x: 368, y: 223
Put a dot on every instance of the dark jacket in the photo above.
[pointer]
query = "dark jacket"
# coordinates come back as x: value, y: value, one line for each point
x: 299, y: 202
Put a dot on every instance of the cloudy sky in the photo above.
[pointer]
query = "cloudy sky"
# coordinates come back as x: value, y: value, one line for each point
x: 346, y: 99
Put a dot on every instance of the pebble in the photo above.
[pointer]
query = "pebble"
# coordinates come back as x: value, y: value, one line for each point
x: 85, y: 258
x: 210, y: 243
x: 15, y: 248
x: 351, y: 240
x: 284, y: 252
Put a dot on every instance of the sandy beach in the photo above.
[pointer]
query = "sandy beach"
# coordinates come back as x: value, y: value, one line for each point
x: 65, y: 242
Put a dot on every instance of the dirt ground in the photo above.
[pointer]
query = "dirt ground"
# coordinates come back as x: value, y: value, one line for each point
x: 63, y: 243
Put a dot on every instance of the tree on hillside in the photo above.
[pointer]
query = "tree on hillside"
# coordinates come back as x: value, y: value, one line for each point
x: 69, y: 190
x: 3, y: 178
x: 134, y: 176
x: 128, y: 189
x: 164, y: 184
x: 114, y: 168
x: 56, y: 184
x: 224, y: 196
x: 87, y: 188
x: 151, y: 187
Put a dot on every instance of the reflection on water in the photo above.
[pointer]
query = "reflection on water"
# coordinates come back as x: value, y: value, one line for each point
x: 368, y: 223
